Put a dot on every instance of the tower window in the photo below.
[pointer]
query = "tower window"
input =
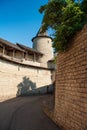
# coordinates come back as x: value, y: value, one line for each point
x: 48, y: 41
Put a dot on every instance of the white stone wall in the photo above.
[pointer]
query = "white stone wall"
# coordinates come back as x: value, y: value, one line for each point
x: 12, y: 75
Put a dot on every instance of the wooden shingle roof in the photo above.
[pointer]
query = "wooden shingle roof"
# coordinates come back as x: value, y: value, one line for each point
x: 40, y: 33
x: 28, y: 49
x: 10, y: 45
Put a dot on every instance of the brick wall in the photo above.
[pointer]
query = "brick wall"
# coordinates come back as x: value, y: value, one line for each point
x: 70, y: 110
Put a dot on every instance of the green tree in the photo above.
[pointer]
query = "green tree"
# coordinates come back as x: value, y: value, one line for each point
x: 65, y: 17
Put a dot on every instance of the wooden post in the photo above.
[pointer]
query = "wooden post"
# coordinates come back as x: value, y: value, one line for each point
x: 34, y: 57
x: 13, y: 53
x: 26, y: 56
x: 3, y: 50
x: 23, y: 55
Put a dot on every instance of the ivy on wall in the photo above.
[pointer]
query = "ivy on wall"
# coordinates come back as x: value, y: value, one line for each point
x: 65, y: 17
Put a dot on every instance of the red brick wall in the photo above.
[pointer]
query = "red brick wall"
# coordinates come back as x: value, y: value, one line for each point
x: 70, y: 110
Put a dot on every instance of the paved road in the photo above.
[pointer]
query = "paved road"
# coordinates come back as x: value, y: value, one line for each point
x: 24, y: 113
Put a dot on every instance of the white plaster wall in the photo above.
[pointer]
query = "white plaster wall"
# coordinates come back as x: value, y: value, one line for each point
x: 12, y: 74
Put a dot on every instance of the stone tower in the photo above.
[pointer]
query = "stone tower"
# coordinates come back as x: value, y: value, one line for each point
x: 43, y: 43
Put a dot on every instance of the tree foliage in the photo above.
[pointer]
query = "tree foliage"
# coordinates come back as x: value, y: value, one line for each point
x: 65, y: 17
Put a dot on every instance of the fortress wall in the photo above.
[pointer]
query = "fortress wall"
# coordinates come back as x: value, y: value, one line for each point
x: 70, y: 111
x: 16, y: 79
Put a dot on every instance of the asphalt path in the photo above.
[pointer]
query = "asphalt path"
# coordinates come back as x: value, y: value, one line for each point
x: 25, y: 113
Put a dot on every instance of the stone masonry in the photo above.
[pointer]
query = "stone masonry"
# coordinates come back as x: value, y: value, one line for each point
x: 17, y: 79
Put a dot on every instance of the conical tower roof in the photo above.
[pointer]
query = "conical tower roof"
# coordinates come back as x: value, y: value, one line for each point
x: 41, y: 34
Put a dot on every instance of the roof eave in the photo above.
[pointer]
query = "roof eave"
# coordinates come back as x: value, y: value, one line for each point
x: 8, y: 44
x: 27, y: 49
x: 42, y: 37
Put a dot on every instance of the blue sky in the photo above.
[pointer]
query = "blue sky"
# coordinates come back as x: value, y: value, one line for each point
x: 20, y: 20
